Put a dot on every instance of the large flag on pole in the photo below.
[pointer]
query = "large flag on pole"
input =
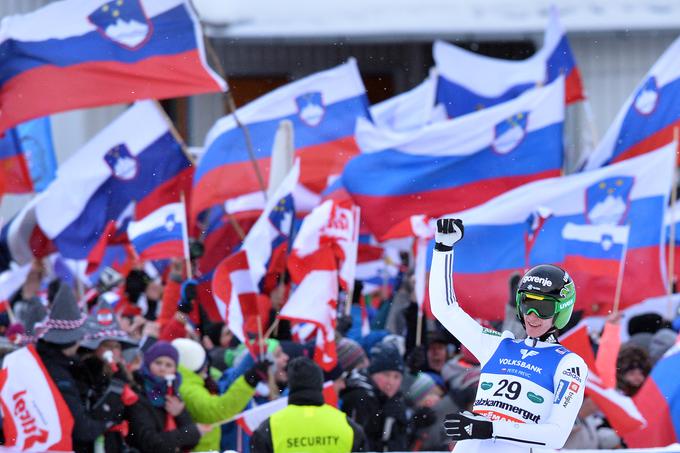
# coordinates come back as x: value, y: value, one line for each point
x: 648, y: 117
x: 81, y: 53
x: 323, y: 109
x: 35, y: 416
x: 125, y: 172
x: 240, y: 277
x: 456, y: 164
x: 469, y: 81
x: 589, y: 210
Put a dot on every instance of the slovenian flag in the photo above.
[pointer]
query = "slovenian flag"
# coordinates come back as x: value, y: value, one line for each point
x: 84, y: 53
x: 323, y: 108
x: 161, y: 234
x: 469, y: 81
x: 125, y: 172
x: 647, y: 119
x: 589, y: 211
x: 456, y: 164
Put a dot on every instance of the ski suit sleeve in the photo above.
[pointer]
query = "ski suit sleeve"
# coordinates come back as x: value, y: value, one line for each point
x: 480, y: 341
x: 569, y: 383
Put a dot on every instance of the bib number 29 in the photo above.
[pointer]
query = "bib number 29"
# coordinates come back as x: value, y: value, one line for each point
x: 508, y: 389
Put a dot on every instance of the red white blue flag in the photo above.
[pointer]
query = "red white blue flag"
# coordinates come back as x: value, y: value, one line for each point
x: 456, y: 164
x: 599, y: 219
x: 469, y: 81
x: 84, y: 53
x: 125, y: 172
x: 160, y: 234
x: 648, y: 117
x: 323, y: 108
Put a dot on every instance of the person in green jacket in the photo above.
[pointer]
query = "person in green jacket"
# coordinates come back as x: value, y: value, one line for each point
x: 307, y: 424
x: 204, y: 405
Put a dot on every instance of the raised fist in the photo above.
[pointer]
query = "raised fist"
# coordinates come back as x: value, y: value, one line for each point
x: 449, y: 231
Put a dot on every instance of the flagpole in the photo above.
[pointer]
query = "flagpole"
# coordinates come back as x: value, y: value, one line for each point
x: 619, y: 278
x: 671, y: 242
x: 350, y: 284
x: 185, y: 237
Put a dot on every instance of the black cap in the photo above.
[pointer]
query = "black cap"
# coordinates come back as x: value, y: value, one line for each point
x: 304, y: 374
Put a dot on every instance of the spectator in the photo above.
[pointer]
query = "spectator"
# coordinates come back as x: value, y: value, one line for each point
x: 160, y: 422
x: 632, y: 367
x: 351, y: 355
x: 200, y: 393
x: 373, y: 400
x: 57, y: 349
x: 307, y: 424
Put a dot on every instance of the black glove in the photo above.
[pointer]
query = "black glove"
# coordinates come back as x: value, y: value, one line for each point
x: 449, y: 231
x: 258, y: 372
x: 423, y: 417
x: 467, y: 425
x: 343, y: 324
x: 110, y: 407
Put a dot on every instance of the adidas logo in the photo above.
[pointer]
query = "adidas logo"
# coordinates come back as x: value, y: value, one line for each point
x: 468, y: 429
x: 575, y: 370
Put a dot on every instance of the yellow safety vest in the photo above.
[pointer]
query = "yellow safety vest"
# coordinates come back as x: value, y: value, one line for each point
x: 311, y: 429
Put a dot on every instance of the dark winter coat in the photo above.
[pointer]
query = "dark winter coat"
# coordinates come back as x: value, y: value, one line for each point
x: 62, y: 370
x: 146, y: 424
x: 375, y: 412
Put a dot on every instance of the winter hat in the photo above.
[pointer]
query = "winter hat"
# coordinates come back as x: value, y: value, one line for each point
x: 385, y: 357
x: 65, y: 322
x: 191, y: 354
x: 335, y: 373
x: 645, y: 322
x: 420, y: 388
x: 661, y: 342
x: 101, y: 326
x: 160, y: 349
x: 304, y: 374
x: 350, y: 354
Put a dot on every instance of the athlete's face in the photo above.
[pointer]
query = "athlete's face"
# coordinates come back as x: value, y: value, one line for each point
x: 536, y: 326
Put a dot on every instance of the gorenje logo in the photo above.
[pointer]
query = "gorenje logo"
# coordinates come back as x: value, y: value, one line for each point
x: 532, y: 278
x: 527, y: 353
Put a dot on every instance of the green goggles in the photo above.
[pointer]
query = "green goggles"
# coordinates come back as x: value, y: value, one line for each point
x: 541, y: 306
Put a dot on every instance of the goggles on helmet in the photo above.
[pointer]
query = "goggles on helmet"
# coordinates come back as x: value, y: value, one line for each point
x: 541, y: 306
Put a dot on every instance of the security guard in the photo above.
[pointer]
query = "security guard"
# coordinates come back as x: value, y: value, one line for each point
x: 307, y: 424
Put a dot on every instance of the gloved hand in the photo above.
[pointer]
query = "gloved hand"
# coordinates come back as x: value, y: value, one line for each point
x: 258, y: 372
x: 449, y: 231
x: 467, y: 425
x: 188, y: 295
x: 424, y: 417
x: 110, y: 407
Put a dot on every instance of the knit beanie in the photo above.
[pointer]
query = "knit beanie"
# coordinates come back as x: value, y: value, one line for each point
x: 350, y: 354
x: 385, y: 357
x: 420, y: 388
x: 304, y: 374
x: 161, y: 349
